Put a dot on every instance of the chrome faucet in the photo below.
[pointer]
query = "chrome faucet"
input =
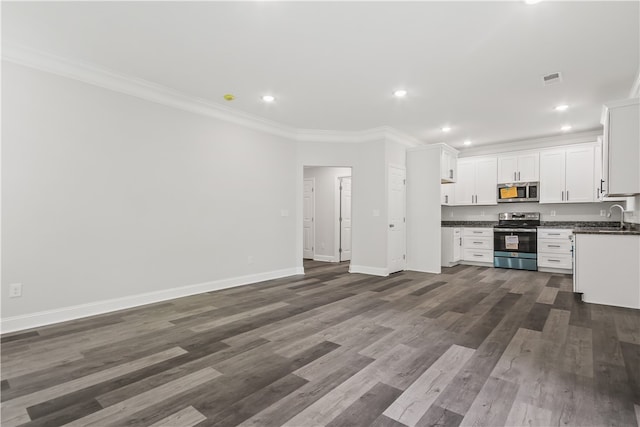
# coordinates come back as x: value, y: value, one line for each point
x: 621, y: 214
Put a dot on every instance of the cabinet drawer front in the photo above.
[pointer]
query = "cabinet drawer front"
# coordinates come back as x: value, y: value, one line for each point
x: 478, y: 232
x: 555, y: 260
x: 471, y: 242
x: 478, y: 255
x: 554, y: 233
x: 554, y: 246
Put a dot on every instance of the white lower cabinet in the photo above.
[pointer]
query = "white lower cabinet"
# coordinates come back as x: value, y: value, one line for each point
x: 555, y: 249
x: 477, y: 244
x: 607, y: 269
x: 451, y: 246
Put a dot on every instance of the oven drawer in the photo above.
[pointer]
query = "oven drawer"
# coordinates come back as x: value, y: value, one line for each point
x: 478, y: 232
x: 472, y: 242
x: 477, y: 255
x: 554, y: 233
x: 555, y: 261
x: 554, y: 246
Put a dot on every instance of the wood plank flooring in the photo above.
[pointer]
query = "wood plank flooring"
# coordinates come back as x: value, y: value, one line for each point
x: 472, y: 346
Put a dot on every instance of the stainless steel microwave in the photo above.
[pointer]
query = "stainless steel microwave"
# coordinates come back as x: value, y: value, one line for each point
x: 522, y: 192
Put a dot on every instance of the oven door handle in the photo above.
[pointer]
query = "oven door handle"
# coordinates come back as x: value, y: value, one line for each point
x: 515, y: 230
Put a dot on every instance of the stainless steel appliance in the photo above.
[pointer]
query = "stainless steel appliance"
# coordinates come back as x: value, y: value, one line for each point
x: 515, y: 240
x: 522, y: 192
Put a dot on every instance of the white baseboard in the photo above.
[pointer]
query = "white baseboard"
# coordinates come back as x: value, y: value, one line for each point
x: 419, y: 270
x: 374, y: 271
x: 299, y: 270
x: 324, y: 258
x: 42, y: 318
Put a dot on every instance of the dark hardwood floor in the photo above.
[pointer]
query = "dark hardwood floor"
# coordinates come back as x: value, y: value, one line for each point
x: 471, y: 346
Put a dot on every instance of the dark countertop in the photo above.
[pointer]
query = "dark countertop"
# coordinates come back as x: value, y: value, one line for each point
x: 578, y: 227
x: 629, y: 230
x: 468, y: 223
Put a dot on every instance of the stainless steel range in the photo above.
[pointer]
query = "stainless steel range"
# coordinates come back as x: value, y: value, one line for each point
x: 515, y: 240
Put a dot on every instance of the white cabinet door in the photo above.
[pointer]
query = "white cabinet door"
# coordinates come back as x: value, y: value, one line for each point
x: 486, y: 181
x: 552, y: 176
x: 447, y: 193
x: 529, y: 167
x: 579, y: 175
x: 622, y: 147
x: 465, y: 187
x: 457, y: 244
x: 447, y: 166
x: 507, y: 169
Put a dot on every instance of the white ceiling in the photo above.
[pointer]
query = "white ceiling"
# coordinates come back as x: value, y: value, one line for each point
x: 476, y: 66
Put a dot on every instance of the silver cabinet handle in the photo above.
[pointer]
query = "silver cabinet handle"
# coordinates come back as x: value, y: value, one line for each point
x: 446, y: 198
x: 477, y: 255
x: 567, y: 195
x: 563, y: 196
x: 553, y: 260
x: 518, y: 176
x: 391, y: 225
x: 553, y: 234
x: 477, y: 232
x: 451, y: 173
x: 553, y: 246
x: 514, y: 176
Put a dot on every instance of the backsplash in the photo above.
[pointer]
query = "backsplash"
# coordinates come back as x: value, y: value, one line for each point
x: 548, y: 212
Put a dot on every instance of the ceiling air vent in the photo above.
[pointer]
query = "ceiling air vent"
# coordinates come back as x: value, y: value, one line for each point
x: 552, y: 78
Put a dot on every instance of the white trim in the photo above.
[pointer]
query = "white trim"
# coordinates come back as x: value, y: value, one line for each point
x: 42, y: 318
x: 300, y: 270
x: 108, y: 79
x: 363, y: 269
x: 428, y: 271
x: 532, y: 144
x: 324, y: 258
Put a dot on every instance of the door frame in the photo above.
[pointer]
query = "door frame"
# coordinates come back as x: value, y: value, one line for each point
x: 337, y: 211
x: 313, y: 217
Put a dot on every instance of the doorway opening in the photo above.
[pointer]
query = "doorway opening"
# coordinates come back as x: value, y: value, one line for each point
x: 327, y: 221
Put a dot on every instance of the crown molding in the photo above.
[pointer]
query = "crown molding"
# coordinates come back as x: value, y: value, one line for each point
x: 144, y: 89
x: 140, y: 88
x: 635, y: 89
x: 534, y: 143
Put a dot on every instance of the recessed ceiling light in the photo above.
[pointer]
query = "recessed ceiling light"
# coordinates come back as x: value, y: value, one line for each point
x: 467, y: 142
x: 268, y: 98
x: 532, y: 1
x: 446, y: 129
x: 400, y: 93
x: 561, y: 107
x: 565, y: 128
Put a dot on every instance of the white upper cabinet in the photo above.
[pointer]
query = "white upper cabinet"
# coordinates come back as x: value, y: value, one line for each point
x: 448, y: 164
x: 477, y: 181
x: 567, y: 174
x: 621, y: 148
x: 447, y: 193
x: 518, y: 167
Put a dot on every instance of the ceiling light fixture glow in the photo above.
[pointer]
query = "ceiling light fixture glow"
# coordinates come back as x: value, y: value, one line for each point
x: 562, y: 107
x: 268, y: 98
x: 565, y: 128
x: 467, y: 142
x: 446, y: 129
x: 400, y: 93
x: 532, y: 1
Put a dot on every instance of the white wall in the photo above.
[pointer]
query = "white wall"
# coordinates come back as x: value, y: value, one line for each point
x: 423, y: 209
x: 326, y: 208
x: 368, y: 184
x: 563, y: 212
x: 107, y: 196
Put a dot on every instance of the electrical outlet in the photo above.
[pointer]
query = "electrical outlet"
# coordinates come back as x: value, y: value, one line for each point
x: 552, y: 213
x: 15, y: 290
x: 250, y: 259
x: 603, y: 212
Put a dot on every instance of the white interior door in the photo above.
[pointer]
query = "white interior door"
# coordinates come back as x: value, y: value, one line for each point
x: 396, y: 231
x: 307, y: 219
x: 345, y: 219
